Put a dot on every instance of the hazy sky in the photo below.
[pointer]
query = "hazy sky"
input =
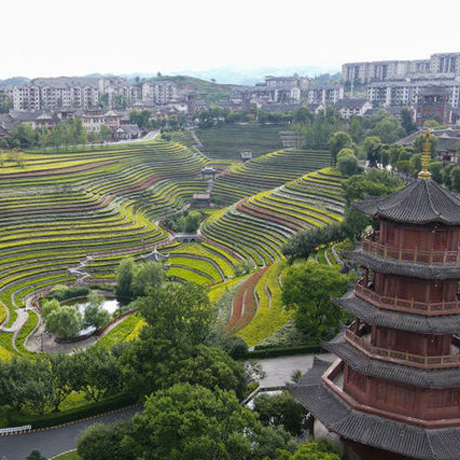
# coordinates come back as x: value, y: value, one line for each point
x: 51, y: 37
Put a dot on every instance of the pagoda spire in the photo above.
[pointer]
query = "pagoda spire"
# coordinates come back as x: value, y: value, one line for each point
x: 426, y: 157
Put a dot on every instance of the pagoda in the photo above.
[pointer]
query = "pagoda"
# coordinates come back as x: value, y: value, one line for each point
x: 393, y: 392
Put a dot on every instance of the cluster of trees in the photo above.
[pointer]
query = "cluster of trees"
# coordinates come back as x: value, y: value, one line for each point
x: 373, y: 182
x: 43, y: 384
x: 142, y: 118
x: 6, y: 103
x: 187, y: 222
x: 307, y: 288
x: 68, y: 133
x: 134, y: 280
x: 215, y: 116
x: 66, y: 320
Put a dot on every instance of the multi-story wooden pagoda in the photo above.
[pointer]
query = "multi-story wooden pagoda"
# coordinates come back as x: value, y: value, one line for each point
x: 394, y: 391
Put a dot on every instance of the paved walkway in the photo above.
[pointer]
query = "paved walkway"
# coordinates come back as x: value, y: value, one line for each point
x: 279, y: 370
x: 54, y: 441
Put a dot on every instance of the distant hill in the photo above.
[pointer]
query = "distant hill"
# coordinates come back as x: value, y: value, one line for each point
x: 206, y: 90
x: 240, y: 76
x: 14, y: 81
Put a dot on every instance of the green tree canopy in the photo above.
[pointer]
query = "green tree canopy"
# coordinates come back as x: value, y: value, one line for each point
x: 308, y: 288
x: 187, y: 422
x: 338, y: 141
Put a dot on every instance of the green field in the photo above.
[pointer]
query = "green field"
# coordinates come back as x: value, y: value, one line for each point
x: 68, y: 213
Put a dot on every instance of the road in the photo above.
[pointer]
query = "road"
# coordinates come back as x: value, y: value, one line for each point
x: 53, y: 441
x: 279, y: 370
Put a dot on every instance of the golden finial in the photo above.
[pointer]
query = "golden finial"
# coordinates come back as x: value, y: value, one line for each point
x: 426, y: 158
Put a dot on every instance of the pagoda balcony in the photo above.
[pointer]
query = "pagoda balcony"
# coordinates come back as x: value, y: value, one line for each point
x: 364, y: 345
x: 406, y: 305
x: 372, y: 245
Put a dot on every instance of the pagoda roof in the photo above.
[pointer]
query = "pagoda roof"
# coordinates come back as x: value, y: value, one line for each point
x: 420, y: 202
x: 372, y: 430
x: 419, y: 323
x: 413, y: 376
x: 402, y: 268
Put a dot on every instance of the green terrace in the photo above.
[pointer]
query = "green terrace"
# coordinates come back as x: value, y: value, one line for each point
x: 258, y: 227
x: 226, y: 142
x: 265, y: 173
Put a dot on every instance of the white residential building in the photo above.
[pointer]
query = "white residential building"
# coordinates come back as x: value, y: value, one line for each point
x: 159, y: 92
x: 324, y: 94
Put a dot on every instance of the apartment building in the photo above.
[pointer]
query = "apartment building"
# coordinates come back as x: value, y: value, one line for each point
x: 445, y: 63
x: 294, y: 81
x: 324, y: 94
x: 405, y: 93
x: 159, y: 92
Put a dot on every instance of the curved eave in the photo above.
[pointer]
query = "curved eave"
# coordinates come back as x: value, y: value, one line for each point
x: 420, y: 378
x: 402, y: 268
x: 448, y: 324
x: 372, y: 430
x: 421, y: 202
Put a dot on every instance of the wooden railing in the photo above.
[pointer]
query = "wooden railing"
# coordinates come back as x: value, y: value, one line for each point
x: 407, y: 305
x: 418, y: 256
x: 401, y: 357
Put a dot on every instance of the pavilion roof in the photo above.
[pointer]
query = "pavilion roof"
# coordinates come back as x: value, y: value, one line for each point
x: 402, y: 268
x: 389, y: 435
x: 420, y: 202
x: 413, y: 376
x: 419, y: 323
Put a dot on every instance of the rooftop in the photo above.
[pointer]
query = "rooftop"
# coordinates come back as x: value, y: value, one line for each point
x: 421, y: 202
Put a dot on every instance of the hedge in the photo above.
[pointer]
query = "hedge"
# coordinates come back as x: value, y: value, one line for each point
x: 287, y: 351
x: 78, y: 413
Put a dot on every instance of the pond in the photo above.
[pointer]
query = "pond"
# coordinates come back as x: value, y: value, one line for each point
x: 110, y: 304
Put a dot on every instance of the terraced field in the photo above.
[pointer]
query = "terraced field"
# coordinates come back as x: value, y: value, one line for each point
x: 257, y: 227
x: 73, y: 216
x: 265, y: 173
x: 228, y: 141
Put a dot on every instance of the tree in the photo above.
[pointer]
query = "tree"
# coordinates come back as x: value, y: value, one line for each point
x: 338, y: 141
x: 149, y: 275
x: 95, y: 315
x: 187, y: 422
x: 192, y: 222
x: 372, y: 148
x: 188, y: 317
x: 455, y: 179
x: 321, y: 450
x: 66, y: 322
x: 281, y: 409
x: 243, y: 266
x: 436, y: 171
x: 97, y: 373
x: 63, y: 377
x: 104, y: 442
x: 347, y: 163
x: 406, y: 121
x: 125, y: 274
x: 35, y: 455
x: 308, y: 289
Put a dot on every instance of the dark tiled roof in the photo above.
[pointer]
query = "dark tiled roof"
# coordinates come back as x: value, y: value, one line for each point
x: 420, y: 202
x: 350, y: 103
x: 449, y: 324
x: 439, y: 378
x: 402, y: 268
x: 337, y: 416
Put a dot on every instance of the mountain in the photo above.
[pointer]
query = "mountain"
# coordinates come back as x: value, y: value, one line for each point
x: 14, y: 81
x: 206, y: 90
x: 241, y: 76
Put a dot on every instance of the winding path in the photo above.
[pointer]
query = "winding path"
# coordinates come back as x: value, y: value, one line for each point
x: 53, y: 441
